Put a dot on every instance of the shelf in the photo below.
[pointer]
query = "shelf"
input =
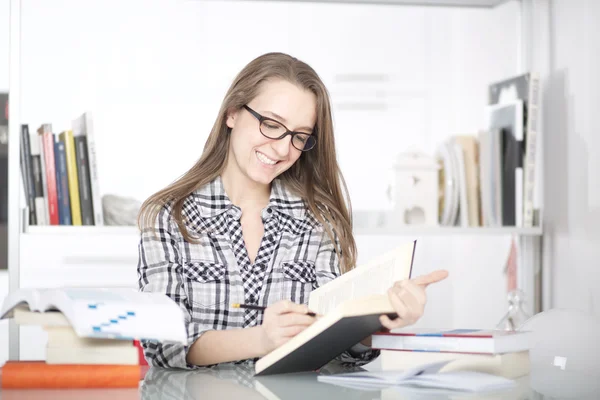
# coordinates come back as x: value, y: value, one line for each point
x: 384, y: 223
x: 446, y: 230
x: 81, y: 230
x: 437, y: 3
x: 359, y: 229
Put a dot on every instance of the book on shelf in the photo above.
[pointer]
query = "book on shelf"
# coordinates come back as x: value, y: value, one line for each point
x: 453, y: 340
x: 46, y: 141
x: 60, y: 174
x: 122, y: 314
x: 83, y: 174
x: 350, y: 307
x: 493, y: 172
x: 526, y: 89
x: 62, y: 184
x: 83, y: 126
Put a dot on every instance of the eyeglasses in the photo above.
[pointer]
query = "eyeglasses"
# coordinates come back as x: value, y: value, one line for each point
x: 276, y: 130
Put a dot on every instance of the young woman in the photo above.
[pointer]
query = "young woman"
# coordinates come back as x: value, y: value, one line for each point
x: 260, y: 219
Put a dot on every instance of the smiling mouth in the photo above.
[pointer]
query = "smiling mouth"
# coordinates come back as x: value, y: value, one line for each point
x: 264, y: 159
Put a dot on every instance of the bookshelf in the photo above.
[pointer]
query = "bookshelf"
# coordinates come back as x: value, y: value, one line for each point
x: 92, y: 247
x: 358, y: 230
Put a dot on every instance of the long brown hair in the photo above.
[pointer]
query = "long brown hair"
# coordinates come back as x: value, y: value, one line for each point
x: 315, y: 176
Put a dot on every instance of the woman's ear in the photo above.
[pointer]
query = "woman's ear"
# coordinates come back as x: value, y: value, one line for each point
x: 231, y: 117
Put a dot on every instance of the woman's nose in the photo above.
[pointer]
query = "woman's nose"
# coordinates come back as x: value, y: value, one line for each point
x: 282, y: 146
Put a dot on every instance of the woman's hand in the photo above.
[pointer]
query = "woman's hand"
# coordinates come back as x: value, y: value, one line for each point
x: 408, y: 299
x: 282, y: 321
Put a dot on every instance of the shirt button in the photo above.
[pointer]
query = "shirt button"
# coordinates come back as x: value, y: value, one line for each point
x: 269, y: 210
x: 251, y: 299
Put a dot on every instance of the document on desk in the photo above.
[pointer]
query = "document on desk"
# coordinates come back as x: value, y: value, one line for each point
x: 426, y: 376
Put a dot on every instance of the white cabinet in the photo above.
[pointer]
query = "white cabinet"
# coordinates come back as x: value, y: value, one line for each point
x: 79, y: 256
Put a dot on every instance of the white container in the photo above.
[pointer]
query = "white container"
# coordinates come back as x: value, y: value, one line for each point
x: 414, y: 191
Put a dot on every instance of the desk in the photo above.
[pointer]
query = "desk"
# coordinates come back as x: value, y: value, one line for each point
x: 238, y: 382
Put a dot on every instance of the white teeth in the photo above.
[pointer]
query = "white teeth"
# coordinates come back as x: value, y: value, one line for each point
x: 264, y: 159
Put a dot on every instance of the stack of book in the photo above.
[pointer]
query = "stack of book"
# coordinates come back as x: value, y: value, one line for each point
x: 93, y: 336
x: 502, y: 353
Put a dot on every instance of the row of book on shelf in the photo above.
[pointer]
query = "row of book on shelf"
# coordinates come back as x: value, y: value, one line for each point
x: 60, y: 174
x: 489, y: 179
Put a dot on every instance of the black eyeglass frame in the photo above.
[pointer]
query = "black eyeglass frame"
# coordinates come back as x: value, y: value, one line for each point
x: 261, y: 118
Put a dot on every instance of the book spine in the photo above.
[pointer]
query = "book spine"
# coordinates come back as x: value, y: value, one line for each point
x: 67, y: 138
x: 64, y: 204
x: 529, y: 173
x: 27, y: 170
x: 93, y: 165
x: 32, y: 375
x: 44, y: 179
x: 49, y: 164
x: 36, y: 167
x: 83, y: 173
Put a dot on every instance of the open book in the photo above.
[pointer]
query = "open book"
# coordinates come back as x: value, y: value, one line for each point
x: 99, y: 313
x: 350, y: 307
x: 423, y: 376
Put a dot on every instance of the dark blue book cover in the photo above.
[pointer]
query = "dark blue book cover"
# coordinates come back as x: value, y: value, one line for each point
x: 62, y: 184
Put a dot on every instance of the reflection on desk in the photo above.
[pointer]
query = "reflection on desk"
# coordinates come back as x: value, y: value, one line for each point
x: 238, y: 382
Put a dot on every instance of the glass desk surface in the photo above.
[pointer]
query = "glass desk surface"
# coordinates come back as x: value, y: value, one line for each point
x: 564, y: 364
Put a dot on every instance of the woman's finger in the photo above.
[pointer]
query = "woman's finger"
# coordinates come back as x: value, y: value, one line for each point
x: 291, y: 331
x: 398, y: 304
x: 415, y: 309
x: 386, y: 322
x: 292, y: 318
x: 430, y: 278
x: 287, y: 306
x: 418, y: 292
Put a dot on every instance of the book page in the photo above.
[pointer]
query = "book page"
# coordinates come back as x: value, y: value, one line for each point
x: 28, y: 296
x: 115, y: 313
x: 369, y: 279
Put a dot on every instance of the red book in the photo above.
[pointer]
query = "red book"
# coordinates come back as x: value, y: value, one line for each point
x: 39, y: 375
x: 141, y: 357
x: 50, y: 166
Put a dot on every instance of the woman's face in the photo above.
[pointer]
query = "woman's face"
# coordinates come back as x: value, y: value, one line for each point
x: 257, y: 157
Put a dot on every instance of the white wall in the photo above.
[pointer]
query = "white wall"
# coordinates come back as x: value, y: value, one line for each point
x: 572, y: 154
x: 154, y: 73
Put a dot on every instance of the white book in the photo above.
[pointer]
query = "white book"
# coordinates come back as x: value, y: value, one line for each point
x: 43, y: 201
x: 100, y: 355
x: 106, y: 313
x: 507, y: 365
x: 481, y: 341
x: 427, y: 375
x: 531, y: 178
x: 84, y: 126
x: 65, y: 336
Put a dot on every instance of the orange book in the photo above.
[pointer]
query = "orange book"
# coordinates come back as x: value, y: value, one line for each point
x: 71, y: 394
x: 39, y: 375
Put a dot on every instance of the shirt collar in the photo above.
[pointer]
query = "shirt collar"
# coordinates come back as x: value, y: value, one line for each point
x: 213, y: 200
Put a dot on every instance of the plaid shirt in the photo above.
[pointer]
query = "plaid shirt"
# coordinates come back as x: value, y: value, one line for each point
x: 295, y: 256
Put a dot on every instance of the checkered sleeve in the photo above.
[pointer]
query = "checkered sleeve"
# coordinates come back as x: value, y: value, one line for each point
x: 327, y: 267
x: 160, y: 270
